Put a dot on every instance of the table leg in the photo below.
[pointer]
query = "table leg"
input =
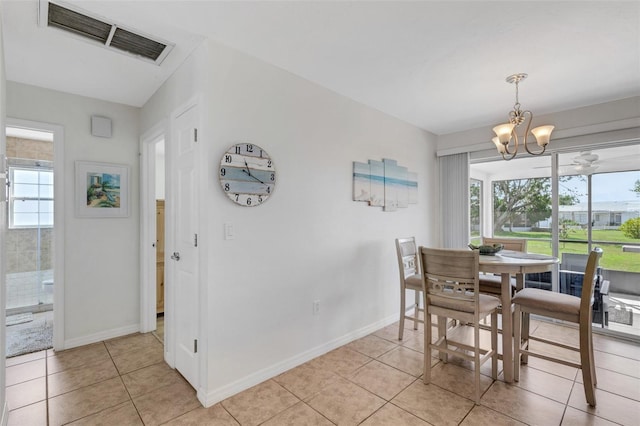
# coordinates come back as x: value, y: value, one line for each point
x: 507, y: 329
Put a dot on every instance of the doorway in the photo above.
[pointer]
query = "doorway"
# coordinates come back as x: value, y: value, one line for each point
x: 31, y: 253
x: 152, y: 232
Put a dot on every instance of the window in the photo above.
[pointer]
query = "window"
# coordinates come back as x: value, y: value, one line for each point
x: 30, y: 197
x: 475, y: 209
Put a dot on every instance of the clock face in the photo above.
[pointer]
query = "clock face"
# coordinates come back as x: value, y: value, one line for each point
x: 247, y: 174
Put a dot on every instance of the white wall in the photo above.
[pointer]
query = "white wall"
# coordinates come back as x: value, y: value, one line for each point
x: 160, y: 173
x: 101, y: 255
x: 309, y: 241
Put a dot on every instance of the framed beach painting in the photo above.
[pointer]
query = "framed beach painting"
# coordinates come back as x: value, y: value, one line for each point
x: 102, y: 189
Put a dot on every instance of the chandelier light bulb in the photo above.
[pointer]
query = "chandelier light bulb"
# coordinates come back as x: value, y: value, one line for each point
x: 503, y: 132
x: 499, y: 146
x: 542, y: 134
x: 506, y: 132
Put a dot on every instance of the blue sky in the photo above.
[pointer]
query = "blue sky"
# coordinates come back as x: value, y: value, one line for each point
x: 606, y: 186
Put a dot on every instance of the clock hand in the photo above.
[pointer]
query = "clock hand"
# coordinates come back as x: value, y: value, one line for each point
x: 247, y: 166
x: 252, y: 176
x: 257, y: 179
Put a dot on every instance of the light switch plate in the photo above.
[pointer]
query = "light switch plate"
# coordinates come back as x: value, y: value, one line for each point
x: 229, y: 231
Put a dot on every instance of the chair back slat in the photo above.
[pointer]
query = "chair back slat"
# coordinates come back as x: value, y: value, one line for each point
x: 450, y: 274
x: 407, y: 253
x: 588, y: 282
x: 515, y: 244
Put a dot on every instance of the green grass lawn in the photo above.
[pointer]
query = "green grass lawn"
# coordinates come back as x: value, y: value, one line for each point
x: 612, y: 256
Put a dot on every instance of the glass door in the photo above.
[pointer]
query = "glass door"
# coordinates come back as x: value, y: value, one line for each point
x: 29, y: 241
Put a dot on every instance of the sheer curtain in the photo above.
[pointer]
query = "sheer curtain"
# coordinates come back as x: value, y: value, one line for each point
x: 454, y: 200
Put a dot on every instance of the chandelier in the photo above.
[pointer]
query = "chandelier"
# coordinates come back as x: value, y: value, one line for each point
x: 507, y: 132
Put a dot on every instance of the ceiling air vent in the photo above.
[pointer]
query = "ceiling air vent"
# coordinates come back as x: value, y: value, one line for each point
x: 98, y: 30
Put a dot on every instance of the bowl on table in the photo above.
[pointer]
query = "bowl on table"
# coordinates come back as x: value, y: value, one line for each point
x: 487, y: 250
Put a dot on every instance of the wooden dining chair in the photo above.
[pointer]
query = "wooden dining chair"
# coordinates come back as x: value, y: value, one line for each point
x: 492, y: 284
x: 410, y: 279
x: 563, y: 307
x: 451, y: 290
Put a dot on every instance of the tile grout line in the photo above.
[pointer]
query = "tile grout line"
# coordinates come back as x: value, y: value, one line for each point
x: 122, y: 381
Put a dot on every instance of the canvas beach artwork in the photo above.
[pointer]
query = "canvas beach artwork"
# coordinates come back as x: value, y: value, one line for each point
x: 361, y: 182
x: 412, y: 187
x: 102, y: 189
x: 384, y: 184
x: 377, y: 183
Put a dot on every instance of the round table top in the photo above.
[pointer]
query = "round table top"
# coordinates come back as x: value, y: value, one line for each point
x: 510, y: 257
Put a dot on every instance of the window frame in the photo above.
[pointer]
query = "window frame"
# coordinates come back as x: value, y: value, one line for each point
x: 12, y: 198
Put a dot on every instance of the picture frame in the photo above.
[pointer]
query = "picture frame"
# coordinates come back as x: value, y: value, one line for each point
x: 102, y: 190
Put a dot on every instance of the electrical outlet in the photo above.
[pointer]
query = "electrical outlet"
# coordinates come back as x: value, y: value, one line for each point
x: 316, y: 307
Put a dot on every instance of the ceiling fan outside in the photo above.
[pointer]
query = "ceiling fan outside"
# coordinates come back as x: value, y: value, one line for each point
x: 585, y: 158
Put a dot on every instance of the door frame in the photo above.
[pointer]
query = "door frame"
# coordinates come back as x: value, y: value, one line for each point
x: 148, y: 141
x: 171, y: 196
x: 164, y: 129
x: 58, y: 220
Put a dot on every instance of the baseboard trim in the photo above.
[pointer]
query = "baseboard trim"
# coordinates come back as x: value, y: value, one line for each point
x: 221, y: 393
x: 103, y: 335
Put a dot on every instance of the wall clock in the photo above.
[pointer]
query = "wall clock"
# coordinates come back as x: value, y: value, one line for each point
x: 247, y: 174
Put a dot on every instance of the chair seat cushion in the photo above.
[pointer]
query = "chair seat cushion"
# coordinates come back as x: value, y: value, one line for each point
x: 544, y: 300
x: 494, y: 280
x: 492, y: 284
x: 487, y: 303
x: 413, y: 282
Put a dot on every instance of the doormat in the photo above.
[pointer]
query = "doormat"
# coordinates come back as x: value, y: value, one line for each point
x: 19, y: 318
x: 621, y: 315
x: 24, y: 340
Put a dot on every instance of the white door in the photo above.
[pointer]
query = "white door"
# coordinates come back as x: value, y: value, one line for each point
x: 185, y: 252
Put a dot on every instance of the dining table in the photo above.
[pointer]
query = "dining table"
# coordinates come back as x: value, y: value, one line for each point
x: 508, y: 263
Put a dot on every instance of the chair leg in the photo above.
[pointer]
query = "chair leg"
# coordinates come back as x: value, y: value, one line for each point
x: 442, y: 332
x: 494, y: 345
x: 403, y: 312
x: 416, y: 309
x: 593, y: 361
x: 526, y: 319
x: 517, y: 341
x: 476, y: 367
x: 426, y: 376
x: 587, y: 364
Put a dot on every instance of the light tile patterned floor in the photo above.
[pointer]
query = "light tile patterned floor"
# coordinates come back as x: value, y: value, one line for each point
x: 373, y: 381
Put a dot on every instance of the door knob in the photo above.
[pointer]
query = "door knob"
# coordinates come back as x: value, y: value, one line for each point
x: 175, y: 255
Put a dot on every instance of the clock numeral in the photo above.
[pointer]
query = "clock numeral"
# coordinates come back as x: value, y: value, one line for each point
x: 237, y: 149
x: 249, y: 148
x: 260, y: 152
x: 228, y: 158
x: 249, y: 201
x: 268, y: 189
x: 259, y: 198
x: 237, y: 197
x: 223, y: 171
x: 226, y: 187
x: 268, y: 163
x: 273, y: 177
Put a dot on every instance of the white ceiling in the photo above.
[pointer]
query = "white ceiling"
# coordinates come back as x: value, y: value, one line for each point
x: 438, y: 65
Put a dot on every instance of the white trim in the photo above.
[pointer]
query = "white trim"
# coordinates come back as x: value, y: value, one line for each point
x: 101, y: 336
x: 620, y: 130
x: 4, y: 418
x: 148, y: 296
x: 58, y: 221
x: 260, y: 376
